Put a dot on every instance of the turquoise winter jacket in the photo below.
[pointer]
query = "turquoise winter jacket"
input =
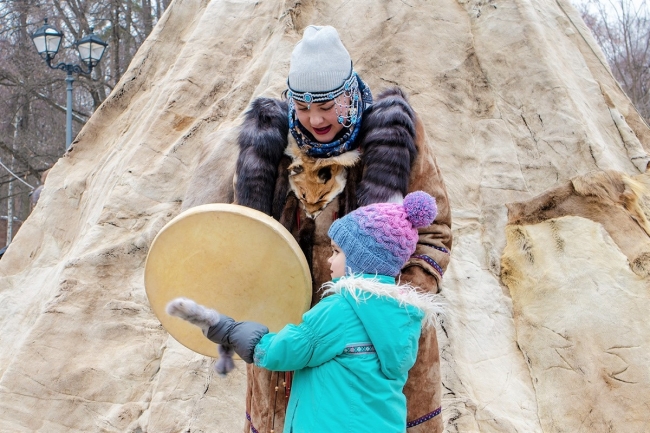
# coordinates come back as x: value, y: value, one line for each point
x: 351, y: 355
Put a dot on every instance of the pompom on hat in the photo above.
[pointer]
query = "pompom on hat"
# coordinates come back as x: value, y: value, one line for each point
x: 380, y: 238
x: 319, y: 62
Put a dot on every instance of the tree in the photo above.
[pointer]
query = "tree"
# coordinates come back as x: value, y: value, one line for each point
x: 33, y: 97
x: 622, y: 29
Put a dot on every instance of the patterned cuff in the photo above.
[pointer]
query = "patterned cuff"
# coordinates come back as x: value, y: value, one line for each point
x: 443, y: 249
x: 430, y: 261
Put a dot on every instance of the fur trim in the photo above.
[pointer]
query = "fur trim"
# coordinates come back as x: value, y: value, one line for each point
x: 431, y: 304
x: 194, y: 313
x: 387, y: 140
x: 262, y: 140
x: 225, y: 363
x: 281, y: 190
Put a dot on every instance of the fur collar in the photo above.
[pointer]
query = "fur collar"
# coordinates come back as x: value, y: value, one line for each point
x: 358, y: 285
x: 317, y: 181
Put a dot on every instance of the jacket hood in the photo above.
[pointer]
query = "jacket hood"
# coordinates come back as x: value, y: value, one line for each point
x: 392, y: 316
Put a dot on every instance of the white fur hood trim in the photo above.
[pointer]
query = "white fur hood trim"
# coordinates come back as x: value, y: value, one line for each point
x: 431, y: 304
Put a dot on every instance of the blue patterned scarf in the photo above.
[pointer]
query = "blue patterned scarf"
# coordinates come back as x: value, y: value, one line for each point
x: 316, y: 149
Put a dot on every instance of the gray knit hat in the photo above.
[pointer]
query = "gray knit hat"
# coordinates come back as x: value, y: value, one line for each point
x: 319, y: 62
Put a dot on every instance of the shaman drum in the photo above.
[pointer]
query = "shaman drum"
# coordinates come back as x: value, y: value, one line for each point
x: 236, y: 260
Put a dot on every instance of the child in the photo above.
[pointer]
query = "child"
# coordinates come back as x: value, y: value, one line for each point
x: 353, y: 350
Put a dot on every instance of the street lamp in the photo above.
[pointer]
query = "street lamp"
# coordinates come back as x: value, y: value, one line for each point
x: 91, y: 48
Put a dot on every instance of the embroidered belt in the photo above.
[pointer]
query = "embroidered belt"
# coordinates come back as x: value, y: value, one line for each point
x: 424, y: 418
x: 359, y: 349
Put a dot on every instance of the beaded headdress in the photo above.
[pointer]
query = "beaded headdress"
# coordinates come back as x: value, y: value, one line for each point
x: 348, y: 115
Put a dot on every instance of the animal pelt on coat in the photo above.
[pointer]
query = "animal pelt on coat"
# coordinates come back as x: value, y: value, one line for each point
x: 262, y: 140
x: 386, y: 142
x: 317, y: 181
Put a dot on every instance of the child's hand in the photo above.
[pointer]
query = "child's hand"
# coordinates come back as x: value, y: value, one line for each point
x: 204, y: 318
x: 194, y: 313
x: 242, y: 337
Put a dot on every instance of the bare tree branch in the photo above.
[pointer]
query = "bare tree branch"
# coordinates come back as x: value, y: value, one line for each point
x: 622, y: 29
x: 21, y: 159
x: 32, y: 97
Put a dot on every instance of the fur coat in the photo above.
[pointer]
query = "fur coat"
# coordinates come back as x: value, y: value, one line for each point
x: 307, y: 194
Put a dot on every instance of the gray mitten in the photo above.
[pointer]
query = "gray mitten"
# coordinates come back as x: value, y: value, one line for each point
x: 203, y: 317
x: 241, y: 336
x: 224, y: 364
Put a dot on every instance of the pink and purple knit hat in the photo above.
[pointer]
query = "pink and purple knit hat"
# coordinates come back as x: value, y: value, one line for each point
x: 380, y: 238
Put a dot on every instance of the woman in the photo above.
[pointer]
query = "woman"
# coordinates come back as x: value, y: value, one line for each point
x: 317, y: 155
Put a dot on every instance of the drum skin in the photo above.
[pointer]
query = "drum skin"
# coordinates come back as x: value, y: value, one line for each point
x: 236, y: 260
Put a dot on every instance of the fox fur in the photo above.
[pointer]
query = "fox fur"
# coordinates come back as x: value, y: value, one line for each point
x: 317, y: 181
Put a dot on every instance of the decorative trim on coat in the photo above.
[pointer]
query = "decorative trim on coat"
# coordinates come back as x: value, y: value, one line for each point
x: 430, y: 261
x: 424, y: 418
x: 253, y: 429
x: 359, y: 349
x: 358, y: 286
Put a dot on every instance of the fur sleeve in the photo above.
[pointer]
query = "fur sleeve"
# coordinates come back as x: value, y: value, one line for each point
x: 426, y: 267
x: 387, y: 140
x: 262, y: 140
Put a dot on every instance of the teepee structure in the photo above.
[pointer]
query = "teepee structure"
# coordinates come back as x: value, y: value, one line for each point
x: 545, y: 162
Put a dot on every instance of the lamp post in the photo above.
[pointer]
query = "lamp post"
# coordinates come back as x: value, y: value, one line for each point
x: 91, y: 48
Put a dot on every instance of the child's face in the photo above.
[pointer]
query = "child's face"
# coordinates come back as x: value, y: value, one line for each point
x: 337, y: 261
x: 321, y: 119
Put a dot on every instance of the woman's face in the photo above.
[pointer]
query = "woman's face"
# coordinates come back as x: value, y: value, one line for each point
x: 321, y: 119
x: 337, y: 261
